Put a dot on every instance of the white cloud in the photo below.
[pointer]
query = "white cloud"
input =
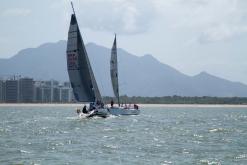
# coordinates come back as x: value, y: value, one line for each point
x: 121, y: 16
x: 16, y: 12
x: 212, y: 20
x: 221, y: 32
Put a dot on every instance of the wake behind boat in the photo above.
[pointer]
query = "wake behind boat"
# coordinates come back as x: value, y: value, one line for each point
x: 82, y: 78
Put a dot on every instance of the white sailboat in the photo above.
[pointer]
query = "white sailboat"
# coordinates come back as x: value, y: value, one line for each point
x: 118, y: 110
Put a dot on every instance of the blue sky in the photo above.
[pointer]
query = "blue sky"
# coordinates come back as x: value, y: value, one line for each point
x: 190, y: 35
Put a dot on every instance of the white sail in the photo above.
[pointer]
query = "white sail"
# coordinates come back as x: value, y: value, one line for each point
x: 114, y: 69
x: 80, y: 72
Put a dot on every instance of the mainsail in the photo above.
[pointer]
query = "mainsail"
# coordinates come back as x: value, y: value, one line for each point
x: 81, y: 76
x: 114, y: 69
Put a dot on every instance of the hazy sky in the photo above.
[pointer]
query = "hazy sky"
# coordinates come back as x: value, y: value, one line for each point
x: 190, y: 35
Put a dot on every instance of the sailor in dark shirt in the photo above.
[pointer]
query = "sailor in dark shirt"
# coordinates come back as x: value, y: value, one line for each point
x: 112, y: 103
x: 84, y: 110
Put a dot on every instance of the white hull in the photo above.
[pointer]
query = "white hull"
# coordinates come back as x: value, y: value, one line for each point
x: 123, y: 111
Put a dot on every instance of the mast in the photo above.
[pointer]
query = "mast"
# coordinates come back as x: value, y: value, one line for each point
x: 114, y: 70
x: 72, y: 7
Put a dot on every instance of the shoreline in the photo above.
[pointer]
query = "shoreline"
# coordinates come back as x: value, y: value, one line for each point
x: 140, y: 105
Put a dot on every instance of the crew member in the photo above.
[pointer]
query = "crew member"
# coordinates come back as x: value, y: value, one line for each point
x: 84, y: 110
x: 78, y: 111
x: 112, y: 103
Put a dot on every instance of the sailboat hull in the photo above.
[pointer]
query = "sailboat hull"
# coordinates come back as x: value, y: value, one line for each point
x: 116, y: 111
x: 104, y: 113
x: 99, y: 113
x: 123, y: 111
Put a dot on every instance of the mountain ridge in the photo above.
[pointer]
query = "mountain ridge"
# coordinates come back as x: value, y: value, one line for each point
x: 138, y: 76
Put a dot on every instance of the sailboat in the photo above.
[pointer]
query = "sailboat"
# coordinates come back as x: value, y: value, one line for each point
x: 118, y: 110
x: 80, y: 72
x: 82, y: 78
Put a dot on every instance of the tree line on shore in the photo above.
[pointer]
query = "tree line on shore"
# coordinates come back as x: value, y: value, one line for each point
x: 178, y: 100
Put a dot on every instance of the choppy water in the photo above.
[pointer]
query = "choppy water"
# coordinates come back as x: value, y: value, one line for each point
x: 55, y: 136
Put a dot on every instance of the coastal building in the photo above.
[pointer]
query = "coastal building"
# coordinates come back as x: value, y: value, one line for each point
x: 12, y: 91
x: 2, y: 91
x: 64, y: 95
x: 46, y: 91
x: 26, y: 87
x: 67, y: 84
x: 37, y: 92
x: 46, y: 94
x: 26, y: 90
x: 56, y: 94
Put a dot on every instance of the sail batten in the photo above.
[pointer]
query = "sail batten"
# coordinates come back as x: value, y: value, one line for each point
x: 81, y: 76
x: 114, y: 70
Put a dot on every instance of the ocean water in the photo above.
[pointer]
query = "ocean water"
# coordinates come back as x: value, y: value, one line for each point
x: 54, y: 135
